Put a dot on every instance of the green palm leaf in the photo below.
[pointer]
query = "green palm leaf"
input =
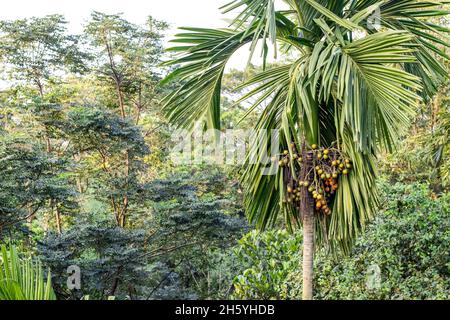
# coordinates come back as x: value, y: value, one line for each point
x: 22, y: 279
x: 261, y: 18
x: 200, y: 66
x: 351, y: 86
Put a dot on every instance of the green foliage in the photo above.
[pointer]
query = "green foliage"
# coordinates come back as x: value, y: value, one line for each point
x: 201, y: 68
x: 93, y: 129
x: 22, y: 278
x: 137, y: 46
x: 269, y: 258
x: 36, y: 48
x: 178, y: 236
x: 261, y: 18
x: 105, y: 253
x: 196, y: 221
x: 83, y: 113
x: 125, y: 57
x: 31, y: 178
x: 408, y: 242
x: 356, y: 92
x: 423, y: 154
x: 105, y: 140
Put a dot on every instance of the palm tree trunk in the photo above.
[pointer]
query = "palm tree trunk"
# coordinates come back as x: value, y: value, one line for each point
x: 308, y: 252
x: 307, y: 211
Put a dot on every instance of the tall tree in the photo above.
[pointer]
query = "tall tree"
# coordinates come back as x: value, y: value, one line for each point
x: 31, y: 179
x: 125, y: 57
x: 361, y: 70
x: 34, y: 50
x: 101, y: 139
x: 35, y: 53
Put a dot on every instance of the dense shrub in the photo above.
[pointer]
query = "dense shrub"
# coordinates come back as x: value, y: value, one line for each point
x: 268, y: 259
x: 402, y: 255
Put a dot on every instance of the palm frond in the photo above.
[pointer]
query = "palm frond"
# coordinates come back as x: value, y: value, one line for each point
x: 372, y: 79
x: 200, y: 69
x: 353, y: 87
x: 22, y: 279
x: 323, y: 10
x: 407, y: 15
x: 259, y: 18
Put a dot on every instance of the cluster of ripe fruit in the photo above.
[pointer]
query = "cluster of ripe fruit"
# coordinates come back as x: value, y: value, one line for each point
x: 320, y: 178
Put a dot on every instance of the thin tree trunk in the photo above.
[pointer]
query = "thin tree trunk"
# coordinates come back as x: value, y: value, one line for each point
x: 308, y: 252
x: 125, y: 198
x: 31, y: 216
x: 115, y: 283
x: 48, y: 144
x: 307, y: 212
x: 40, y: 87
x: 79, y: 185
x: 112, y: 292
x: 55, y: 210
x: 121, y: 101
x: 58, y: 219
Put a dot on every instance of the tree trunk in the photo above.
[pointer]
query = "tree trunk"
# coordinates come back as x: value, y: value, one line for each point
x: 48, y: 144
x: 308, y: 251
x: 115, y: 283
x: 58, y: 219
x: 121, y: 101
x: 307, y: 213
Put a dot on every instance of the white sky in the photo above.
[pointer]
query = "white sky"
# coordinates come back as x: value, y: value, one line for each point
x: 178, y: 13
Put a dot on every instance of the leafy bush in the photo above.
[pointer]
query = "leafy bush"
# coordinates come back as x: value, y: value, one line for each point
x: 268, y: 259
x: 402, y: 255
x: 178, y: 248
x: 105, y: 255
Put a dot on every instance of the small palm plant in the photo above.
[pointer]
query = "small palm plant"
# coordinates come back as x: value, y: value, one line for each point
x: 22, y: 279
x: 361, y: 69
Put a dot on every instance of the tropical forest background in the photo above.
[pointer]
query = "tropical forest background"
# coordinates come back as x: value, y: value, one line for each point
x: 86, y: 180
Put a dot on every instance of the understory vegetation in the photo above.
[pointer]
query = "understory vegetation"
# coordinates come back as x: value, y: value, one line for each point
x: 402, y: 255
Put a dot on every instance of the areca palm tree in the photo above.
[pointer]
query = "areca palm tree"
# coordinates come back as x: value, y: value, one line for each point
x: 361, y: 69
